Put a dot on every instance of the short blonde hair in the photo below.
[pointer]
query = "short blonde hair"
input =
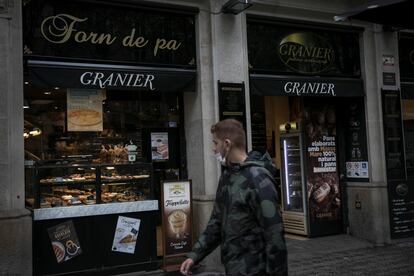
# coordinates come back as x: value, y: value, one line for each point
x: 230, y: 129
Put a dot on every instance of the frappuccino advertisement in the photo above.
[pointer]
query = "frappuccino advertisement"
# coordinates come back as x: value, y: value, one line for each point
x: 322, y: 167
x: 177, y: 217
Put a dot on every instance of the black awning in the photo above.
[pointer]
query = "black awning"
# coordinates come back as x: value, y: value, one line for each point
x: 395, y: 13
x: 269, y: 85
x: 104, y: 76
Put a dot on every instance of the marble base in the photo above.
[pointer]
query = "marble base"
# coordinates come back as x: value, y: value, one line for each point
x: 95, y: 210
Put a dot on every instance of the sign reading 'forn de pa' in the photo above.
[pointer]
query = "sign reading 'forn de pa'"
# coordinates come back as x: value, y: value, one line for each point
x: 102, y: 31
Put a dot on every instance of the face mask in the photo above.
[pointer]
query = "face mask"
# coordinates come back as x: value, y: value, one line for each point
x: 220, y: 159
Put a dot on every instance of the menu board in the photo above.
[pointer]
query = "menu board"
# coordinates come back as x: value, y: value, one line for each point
x: 126, y: 233
x: 84, y: 110
x: 393, y: 133
x: 65, y: 243
x: 400, y: 192
x: 322, y: 169
x: 258, y: 124
x: 232, y: 102
x: 177, y: 217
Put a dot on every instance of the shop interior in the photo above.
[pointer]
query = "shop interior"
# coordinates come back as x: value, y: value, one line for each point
x: 270, y: 116
x: 151, y: 123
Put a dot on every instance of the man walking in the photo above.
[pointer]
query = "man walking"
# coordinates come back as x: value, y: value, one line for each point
x: 245, y: 220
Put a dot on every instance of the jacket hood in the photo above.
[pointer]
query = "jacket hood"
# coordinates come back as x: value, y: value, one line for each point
x: 255, y: 158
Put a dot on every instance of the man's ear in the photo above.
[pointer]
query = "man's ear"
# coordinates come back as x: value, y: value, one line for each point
x: 227, y: 142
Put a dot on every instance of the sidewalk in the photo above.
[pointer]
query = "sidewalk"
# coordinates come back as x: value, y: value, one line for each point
x: 334, y: 255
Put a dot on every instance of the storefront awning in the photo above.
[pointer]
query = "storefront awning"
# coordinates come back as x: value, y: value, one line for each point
x: 270, y: 85
x: 104, y: 76
x: 395, y: 13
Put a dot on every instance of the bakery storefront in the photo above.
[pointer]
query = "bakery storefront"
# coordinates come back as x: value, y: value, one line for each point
x: 103, y: 127
x: 307, y: 110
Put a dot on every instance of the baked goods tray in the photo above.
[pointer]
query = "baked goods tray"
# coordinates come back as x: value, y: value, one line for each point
x: 66, y: 183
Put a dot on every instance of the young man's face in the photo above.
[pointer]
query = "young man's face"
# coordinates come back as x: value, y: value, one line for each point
x: 218, y: 145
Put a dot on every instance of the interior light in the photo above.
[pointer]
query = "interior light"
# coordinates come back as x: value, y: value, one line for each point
x: 47, y: 92
x: 286, y: 171
x: 26, y: 104
x: 372, y: 7
x: 56, y: 88
x: 26, y: 82
x: 35, y: 132
x: 110, y: 168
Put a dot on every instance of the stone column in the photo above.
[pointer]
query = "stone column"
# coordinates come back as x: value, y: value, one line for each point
x: 222, y: 55
x: 371, y: 222
x: 15, y: 220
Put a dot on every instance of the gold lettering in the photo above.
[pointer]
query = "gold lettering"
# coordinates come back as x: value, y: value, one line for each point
x: 282, y: 49
x: 103, y: 38
x: 81, y: 37
x: 59, y: 28
x: 159, y: 44
x: 130, y: 41
x: 172, y: 45
x: 292, y: 48
x: 162, y: 44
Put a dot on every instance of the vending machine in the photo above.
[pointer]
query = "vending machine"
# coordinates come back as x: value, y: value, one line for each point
x: 311, y: 203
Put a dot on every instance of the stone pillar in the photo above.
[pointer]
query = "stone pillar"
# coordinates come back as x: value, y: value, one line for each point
x: 371, y: 222
x: 15, y: 220
x: 222, y: 55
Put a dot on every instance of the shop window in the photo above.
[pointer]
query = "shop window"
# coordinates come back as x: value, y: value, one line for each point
x: 408, y: 122
x: 96, y: 125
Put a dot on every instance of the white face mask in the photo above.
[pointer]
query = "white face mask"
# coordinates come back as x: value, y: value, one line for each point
x: 220, y: 159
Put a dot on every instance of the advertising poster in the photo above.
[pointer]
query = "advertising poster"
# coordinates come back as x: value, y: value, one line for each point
x: 322, y: 169
x: 159, y: 146
x: 356, y: 142
x: 84, y: 110
x: 177, y: 217
x: 64, y: 241
x: 126, y: 234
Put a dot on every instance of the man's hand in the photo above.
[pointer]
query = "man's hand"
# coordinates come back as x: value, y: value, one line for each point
x: 186, y: 267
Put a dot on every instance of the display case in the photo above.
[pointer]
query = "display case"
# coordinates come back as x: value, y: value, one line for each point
x: 292, y: 174
x: 293, y: 184
x: 93, y: 199
x: 69, y: 185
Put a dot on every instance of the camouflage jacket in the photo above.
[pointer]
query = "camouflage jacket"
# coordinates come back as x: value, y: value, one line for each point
x: 246, y: 221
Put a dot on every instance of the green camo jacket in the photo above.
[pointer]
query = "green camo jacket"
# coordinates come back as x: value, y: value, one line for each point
x: 246, y: 222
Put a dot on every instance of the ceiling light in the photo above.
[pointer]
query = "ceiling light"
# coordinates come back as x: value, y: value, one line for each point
x: 372, y: 7
x: 47, y: 92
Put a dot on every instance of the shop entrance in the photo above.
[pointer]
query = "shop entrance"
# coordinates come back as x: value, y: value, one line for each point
x: 313, y: 141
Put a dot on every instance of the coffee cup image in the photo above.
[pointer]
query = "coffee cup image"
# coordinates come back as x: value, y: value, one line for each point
x: 177, y: 220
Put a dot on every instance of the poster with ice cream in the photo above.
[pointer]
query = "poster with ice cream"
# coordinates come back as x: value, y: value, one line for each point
x: 159, y: 146
x: 177, y: 217
x: 126, y: 234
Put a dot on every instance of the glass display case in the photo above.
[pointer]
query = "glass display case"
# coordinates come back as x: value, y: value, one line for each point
x: 293, y: 184
x: 292, y: 174
x: 78, y: 184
